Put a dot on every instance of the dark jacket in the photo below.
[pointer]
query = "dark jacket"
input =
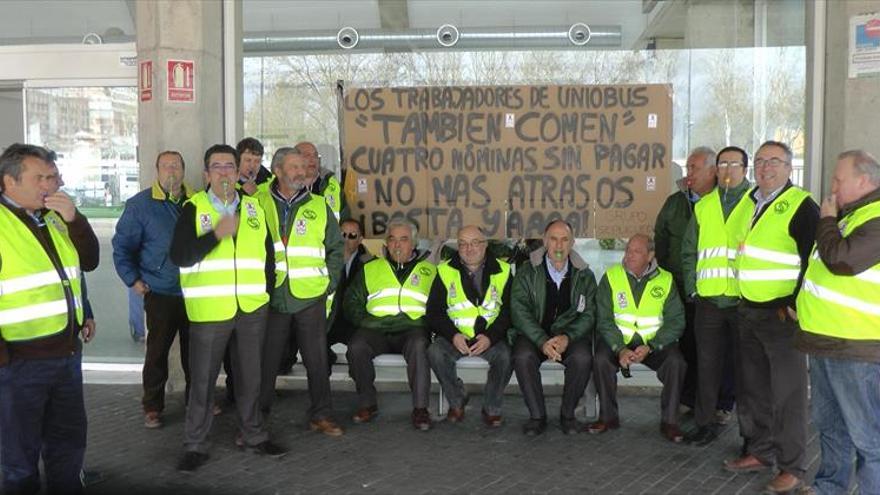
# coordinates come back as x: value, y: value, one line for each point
x: 143, y: 239
x: 729, y: 201
x: 673, y: 312
x: 528, y: 296
x: 438, y: 319
x: 846, y: 256
x: 86, y: 244
x: 187, y: 249
x: 669, y: 229
x: 355, y: 303
x: 320, y: 186
x: 801, y: 228
x: 361, y: 257
x: 263, y: 176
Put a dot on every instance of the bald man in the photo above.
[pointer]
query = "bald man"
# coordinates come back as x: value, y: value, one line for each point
x: 322, y: 181
x: 469, y: 309
x: 640, y: 318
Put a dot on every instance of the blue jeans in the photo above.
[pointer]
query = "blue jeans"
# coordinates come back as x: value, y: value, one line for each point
x: 42, y: 413
x: 846, y: 411
x: 136, y: 322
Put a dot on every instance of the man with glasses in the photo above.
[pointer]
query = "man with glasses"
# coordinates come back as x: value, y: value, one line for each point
x: 354, y: 256
x: 308, y: 262
x: 140, y: 254
x: 553, y: 312
x: 719, y: 224
x: 44, y: 245
x: 771, y: 262
x: 469, y: 310
x: 669, y: 231
x: 227, y: 270
x: 387, y: 300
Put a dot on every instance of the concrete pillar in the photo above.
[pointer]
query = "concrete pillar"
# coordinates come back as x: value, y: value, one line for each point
x: 180, y: 30
x: 851, y: 106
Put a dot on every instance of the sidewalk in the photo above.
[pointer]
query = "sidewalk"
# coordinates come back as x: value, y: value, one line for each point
x: 389, y: 456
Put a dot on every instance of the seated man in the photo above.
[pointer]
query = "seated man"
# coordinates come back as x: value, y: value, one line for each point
x: 387, y: 301
x: 469, y: 309
x: 553, y: 313
x: 637, y: 329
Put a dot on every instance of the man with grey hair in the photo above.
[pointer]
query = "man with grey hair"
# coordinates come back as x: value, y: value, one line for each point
x: 669, y: 232
x: 308, y: 263
x: 840, y: 322
x: 388, y: 300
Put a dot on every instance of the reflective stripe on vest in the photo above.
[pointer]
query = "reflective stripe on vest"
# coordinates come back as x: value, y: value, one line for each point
x: 33, y: 303
x: 462, y: 311
x: 646, y: 317
x: 232, y: 275
x: 768, y: 260
x: 388, y: 297
x: 842, y: 306
x: 303, y: 259
x: 717, y: 243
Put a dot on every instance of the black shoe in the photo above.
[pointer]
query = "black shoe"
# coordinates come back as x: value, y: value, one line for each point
x: 270, y: 449
x: 191, y: 461
x: 569, y: 426
x: 702, y: 436
x: 535, y: 427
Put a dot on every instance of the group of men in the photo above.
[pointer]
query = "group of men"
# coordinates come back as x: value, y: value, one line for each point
x: 259, y: 258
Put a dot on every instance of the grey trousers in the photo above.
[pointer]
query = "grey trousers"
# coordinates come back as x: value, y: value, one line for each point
x: 717, y: 342
x: 366, y: 344
x: 527, y: 359
x: 443, y: 356
x: 207, y: 343
x: 774, y: 388
x: 670, y: 366
x: 310, y: 326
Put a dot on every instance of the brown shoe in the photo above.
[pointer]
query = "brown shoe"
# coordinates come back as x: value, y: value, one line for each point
x: 490, y: 420
x: 747, y: 464
x: 421, y: 419
x: 326, y: 426
x: 152, y: 420
x: 600, y: 426
x: 365, y: 414
x: 783, y: 483
x: 671, y: 432
x: 455, y: 415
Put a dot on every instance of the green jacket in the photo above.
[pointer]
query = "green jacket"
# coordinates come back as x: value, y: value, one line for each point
x: 669, y: 229
x: 673, y: 313
x: 282, y: 300
x: 355, y: 303
x: 528, y: 297
x: 689, y: 247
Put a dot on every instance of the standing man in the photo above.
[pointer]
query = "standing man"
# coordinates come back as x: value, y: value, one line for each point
x: 308, y: 261
x: 720, y: 222
x: 140, y: 253
x: 838, y: 308
x: 224, y: 251
x: 553, y: 308
x: 44, y: 242
x: 322, y: 181
x: 771, y: 261
x: 252, y: 176
x: 469, y: 309
x: 640, y: 319
x: 669, y: 232
x: 387, y: 299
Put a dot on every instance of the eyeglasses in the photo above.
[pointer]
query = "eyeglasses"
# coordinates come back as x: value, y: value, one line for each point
x: 472, y: 244
x: 729, y: 164
x: 350, y: 235
x: 770, y: 162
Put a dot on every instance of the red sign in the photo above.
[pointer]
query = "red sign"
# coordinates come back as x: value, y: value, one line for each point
x: 872, y: 28
x: 145, y: 80
x: 181, y: 80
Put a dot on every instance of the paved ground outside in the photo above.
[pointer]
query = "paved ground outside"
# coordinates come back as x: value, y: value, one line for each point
x: 389, y: 456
